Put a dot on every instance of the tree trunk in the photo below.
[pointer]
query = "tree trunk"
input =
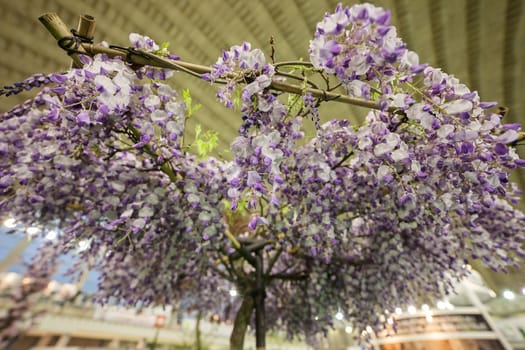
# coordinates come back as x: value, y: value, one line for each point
x: 198, y: 342
x: 240, y: 325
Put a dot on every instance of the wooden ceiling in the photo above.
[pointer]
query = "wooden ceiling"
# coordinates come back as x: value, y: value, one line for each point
x: 482, y: 42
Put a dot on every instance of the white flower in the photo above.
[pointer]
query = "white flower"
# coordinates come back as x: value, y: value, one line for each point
x: 508, y: 136
x: 138, y: 223
x: 241, y: 147
x: 146, y: 212
x: 445, y: 130
x: 359, y: 65
x: 254, y: 59
x: 143, y: 42
x: 118, y: 186
x: 457, y: 106
x: 127, y: 213
x: 152, y: 102
x: 398, y: 100
x: 384, y: 171
x: 158, y: 115
x: 355, y: 87
x: 105, y: 84
x: 253, y: 178
x: 332, y: 23
x: 426, y: 120
x: 391, y: 141
x: 399, y: 155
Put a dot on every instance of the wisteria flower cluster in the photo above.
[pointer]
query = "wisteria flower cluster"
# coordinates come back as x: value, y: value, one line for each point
x: 362, y: 49
x: 357, y: 219
x: 241, y: 64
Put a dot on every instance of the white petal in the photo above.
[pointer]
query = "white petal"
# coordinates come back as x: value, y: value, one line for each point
x: 118, y: 186
x: 445, y: 130
x: 383, y: 171
x: 399, y: 155
x: 457, y: 106
x: 146, y: 212
x: 139, y: 223
x: 382, y: 148
x: 158, y: 115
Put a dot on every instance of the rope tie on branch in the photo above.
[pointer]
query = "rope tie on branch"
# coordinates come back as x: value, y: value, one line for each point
x: 71, y: 44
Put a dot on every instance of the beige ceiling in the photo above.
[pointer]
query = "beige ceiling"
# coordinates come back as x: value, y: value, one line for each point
x: 482, y: 42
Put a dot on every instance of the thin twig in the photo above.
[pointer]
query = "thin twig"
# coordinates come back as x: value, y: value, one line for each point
x: 291, y: 76
x: 293, y: 63
x: 346, y: 157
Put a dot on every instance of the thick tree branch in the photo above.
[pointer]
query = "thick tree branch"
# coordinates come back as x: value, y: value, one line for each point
x: 299, y: 276
x: 273, y: 260
x: 240, y: 249
x: 59, y: 30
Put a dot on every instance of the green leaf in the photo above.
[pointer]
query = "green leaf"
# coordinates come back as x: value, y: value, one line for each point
x: 198, y: 130
x: 375, y: 95
x: 237, y: 101
x: 163, y: 49
x: 294, y: 104
x: 190, y: 108
x: 206, y: 142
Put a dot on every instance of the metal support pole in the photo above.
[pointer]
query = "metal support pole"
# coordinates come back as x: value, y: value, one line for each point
x: 260, y: 294
x: 474, y: 299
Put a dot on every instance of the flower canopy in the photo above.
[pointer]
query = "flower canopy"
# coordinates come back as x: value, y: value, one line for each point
x: 358, y: 218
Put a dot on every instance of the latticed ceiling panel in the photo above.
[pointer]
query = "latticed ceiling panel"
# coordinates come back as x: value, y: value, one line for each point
x: 479, y: 41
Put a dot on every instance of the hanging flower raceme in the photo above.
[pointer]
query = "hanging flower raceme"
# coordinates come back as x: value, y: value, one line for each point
x: 430, y: 171
x: 243, y: 65
x: 98, y: 153
x: 362, y: 49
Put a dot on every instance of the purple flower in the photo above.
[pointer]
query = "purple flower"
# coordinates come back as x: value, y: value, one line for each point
x: 501, y: 149
x: 487, y: 105
x: 83, y: 118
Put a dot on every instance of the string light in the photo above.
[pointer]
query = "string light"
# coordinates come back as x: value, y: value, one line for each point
x: 83, y: 245
x: 509, y: 295
x: 31, y: 231
x: 51, y: 235
x: 411, y: 309
x: 444, y: 305
x: 10, y: 223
